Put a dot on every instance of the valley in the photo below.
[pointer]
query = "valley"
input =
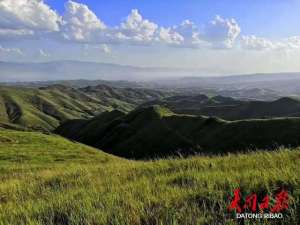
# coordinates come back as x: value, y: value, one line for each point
x: 111, y: 154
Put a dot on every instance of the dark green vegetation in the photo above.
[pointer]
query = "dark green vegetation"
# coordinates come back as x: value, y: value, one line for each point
x: 155, y: 131
x: 229, y: 108
x: 47, y: 180
x: 45, y: 108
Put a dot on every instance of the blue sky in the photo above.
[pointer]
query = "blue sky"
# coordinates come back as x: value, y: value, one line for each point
x: 268, y: 18
x: 215, y: 37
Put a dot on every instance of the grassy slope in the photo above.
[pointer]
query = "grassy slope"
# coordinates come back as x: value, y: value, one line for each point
x: 43, y: 109
x: 48, y: 180
x: 155, y: 131
x: 46, y: 108
x: 133, y: 96
x: 229, y: 108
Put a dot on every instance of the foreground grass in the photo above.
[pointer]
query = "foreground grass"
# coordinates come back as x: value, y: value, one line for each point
x: 49, y: 180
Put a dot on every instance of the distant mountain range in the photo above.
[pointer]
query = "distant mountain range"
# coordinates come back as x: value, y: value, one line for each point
x: 154, y: 76
x: 81, y: 74
x: 282, y: 83
x: 155, y: 131
x: 72, y: 70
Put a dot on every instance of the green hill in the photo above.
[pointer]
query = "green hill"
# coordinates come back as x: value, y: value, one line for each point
x: 229, y: 108
x: 45, y: 108
x: 155, y: 131
x: 46, y: 179
x: 133, y: 96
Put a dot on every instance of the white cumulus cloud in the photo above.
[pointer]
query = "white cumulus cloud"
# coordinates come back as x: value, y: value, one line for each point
x: 293, y: 42
x: 24, y: 17
x: 80, y: 23
x: 169, y: 36
x: 187, y: 35
x: 253, y: 42
x: 222, y: 32
x: 29, y: 19
x: 138, y: 29
x: 34, y: 18
x: 190, y: 33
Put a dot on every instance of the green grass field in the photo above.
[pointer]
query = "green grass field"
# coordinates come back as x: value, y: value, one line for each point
x: 46, y: 108
x: 46, y: 179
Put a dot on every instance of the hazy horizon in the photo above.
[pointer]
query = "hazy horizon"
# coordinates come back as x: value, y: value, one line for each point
x: 12, y: 72
x: 214, y: 38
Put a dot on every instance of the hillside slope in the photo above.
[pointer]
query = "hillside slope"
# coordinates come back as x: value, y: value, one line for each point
x: 46, y: 179
x: 155, y: 131
x: 229, y: 108
x: 45, y: 108
x: 35, y: 148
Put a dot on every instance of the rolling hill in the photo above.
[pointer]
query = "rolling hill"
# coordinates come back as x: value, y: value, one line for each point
x: 156, y: 131
x: 228, y: 108
x: 46, y: 179
x: 45, y: 108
